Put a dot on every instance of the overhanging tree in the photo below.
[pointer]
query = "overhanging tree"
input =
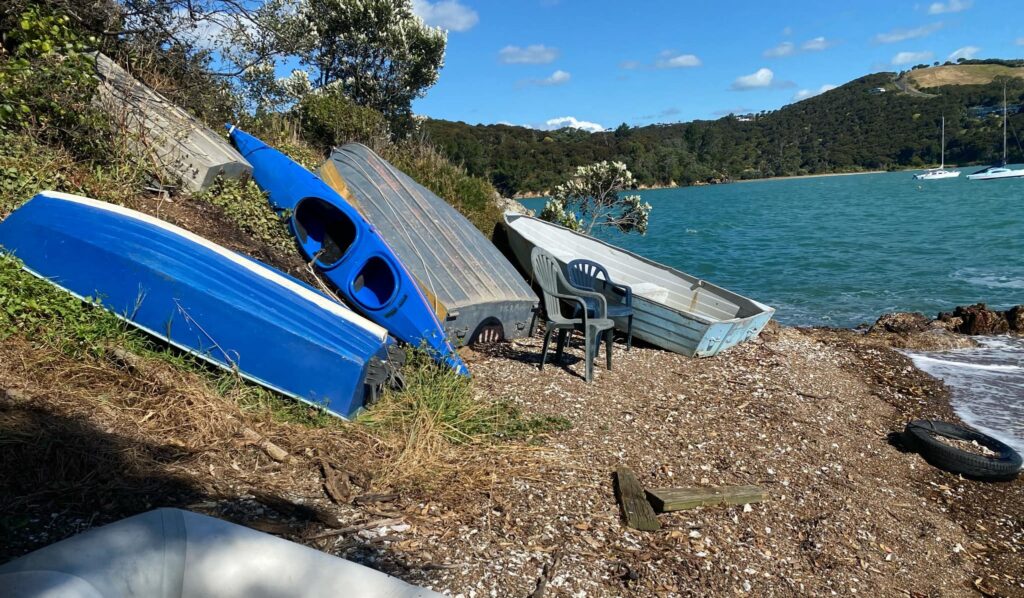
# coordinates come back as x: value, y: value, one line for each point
x: 591, y: 198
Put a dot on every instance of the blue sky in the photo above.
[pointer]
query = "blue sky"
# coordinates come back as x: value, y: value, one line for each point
x: 604, y: 62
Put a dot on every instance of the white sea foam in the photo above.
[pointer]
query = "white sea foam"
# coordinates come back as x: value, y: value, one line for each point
x: 987, y: 385
x: 920, y: 360
x: 989, y: 279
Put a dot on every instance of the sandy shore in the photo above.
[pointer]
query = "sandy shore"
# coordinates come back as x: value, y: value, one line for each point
x: 804, y: 413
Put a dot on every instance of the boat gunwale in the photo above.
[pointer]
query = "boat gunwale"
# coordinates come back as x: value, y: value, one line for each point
x: 510, y: 217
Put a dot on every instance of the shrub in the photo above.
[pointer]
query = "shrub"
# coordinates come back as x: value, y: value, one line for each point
x: 329, y: 119
x: 46, y: 82
x: 472, y: 196
x: 246, y: 206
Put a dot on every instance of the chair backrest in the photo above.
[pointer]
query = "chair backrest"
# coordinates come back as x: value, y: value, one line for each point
x: 583, y: 274
x: 546, y: 271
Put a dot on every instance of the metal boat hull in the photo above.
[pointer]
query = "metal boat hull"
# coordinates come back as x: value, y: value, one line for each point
x: 475, y: 291
x: 221, y: 306
x: 672, y: 310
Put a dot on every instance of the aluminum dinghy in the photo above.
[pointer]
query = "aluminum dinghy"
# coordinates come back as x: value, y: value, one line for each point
x: 170, y: 553
x: 475, y: 291
x: 348, y: 250
x: 672, y: 309
x: 219, y: 305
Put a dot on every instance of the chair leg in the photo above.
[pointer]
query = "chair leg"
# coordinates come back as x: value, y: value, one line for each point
x: 544, y: 349
x: 608, y: 347
x: 629, y: 333
x: 589, y: 354
x: 560, y: 349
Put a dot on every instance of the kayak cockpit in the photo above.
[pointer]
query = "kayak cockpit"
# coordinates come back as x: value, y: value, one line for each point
x: 324, y: 231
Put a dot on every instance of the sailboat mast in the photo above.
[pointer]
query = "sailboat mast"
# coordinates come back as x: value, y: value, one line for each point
x: 942, y: 164
x: 1004, y: 124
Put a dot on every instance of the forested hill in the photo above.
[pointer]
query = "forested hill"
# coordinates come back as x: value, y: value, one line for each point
x: 853, y: 127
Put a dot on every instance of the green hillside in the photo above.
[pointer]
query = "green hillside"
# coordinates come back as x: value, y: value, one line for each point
x: 851, y: 128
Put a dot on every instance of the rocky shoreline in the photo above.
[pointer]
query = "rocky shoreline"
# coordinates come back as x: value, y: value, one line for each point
x: 812, y: 415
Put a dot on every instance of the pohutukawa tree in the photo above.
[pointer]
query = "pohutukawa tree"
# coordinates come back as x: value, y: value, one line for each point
x: 381, y: 54
x: 591, y: 198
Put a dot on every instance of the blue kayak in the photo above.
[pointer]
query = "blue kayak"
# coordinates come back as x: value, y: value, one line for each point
x: 348, y: 250
x: 219, y: 305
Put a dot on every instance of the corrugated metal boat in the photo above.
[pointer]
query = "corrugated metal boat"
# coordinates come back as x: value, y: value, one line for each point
x: 177, y: 143
x: 212, y: 302
x: 672, y: 309
x: 474, y: 290
x: 348, y: 250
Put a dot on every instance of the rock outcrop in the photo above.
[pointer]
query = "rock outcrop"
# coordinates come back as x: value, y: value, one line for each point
x: 901, y: 323
x: 979, y: 319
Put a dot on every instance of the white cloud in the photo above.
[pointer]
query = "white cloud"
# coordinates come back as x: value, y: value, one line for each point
x: 672, y: 60
x: 446, y: 14
x: 937, y: 8
x: 532, y: 54
x: 1020, y: 41
x: 817, y: 44
x: 911, y: 58
x: 967, y: 53
x: 783, y: 49
x: 803, y: 94
x: 570, y: 121
x: 762, y: 78
x: 728, y: 111
x: 557, y: 78
x: 629, y: 64
x: 899, y: 35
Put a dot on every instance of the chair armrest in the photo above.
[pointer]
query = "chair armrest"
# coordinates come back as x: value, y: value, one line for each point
x: 624, y: 290
x: 602, y: 301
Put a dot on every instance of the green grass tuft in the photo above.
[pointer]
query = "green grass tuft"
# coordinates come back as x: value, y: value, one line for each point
x: 438, y: 399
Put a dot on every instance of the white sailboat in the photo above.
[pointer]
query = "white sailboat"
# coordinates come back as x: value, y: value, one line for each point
x: 1001, y: 171
x: 940, y: 172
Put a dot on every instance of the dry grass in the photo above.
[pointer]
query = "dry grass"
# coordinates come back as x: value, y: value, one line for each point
x: 92, y: 439
x: 962, y: 74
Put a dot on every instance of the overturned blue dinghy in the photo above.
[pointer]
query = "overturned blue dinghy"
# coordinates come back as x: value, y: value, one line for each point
x: 212, y: 302
x: 348, y: 250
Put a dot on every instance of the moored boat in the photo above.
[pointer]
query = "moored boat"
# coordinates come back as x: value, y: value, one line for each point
x: 348, y: 250
x: 475, y: 291
x: 1001, y: 171
x: 221, y: 306
x: 672, y: 309
x: 933, y: 174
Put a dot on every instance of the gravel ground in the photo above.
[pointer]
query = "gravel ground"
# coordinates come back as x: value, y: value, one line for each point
x: 807, y: 414
x: 808, y: 419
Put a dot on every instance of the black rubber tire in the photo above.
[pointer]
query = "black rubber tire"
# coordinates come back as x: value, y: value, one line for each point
x: 921, y: 434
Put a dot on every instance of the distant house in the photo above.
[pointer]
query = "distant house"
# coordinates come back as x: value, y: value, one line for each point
x: 876, y: 91
x: 745, y: 118
x: 983, y: 111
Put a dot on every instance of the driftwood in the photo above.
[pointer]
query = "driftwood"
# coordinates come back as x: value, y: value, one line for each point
x: 677, y: 499
x: 638, y: 512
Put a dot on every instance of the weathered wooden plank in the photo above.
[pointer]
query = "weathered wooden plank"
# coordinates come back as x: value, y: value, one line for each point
x: 677, y: 499
x: 638, y: 512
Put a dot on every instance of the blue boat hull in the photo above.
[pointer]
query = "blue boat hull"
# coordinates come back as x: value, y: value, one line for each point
x: 348, y: 250
x: 219, y: 305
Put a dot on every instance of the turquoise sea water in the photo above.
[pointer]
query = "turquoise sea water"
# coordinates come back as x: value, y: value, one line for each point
x: 842, y: 250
